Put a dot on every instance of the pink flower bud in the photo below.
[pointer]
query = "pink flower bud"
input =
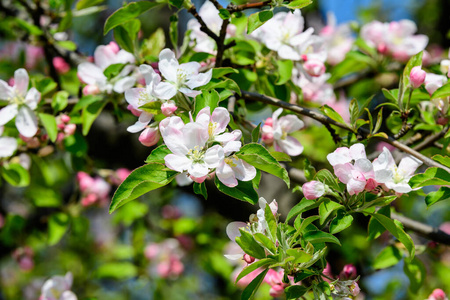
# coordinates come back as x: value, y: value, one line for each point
x: 26, y: 263
x: 348, y: 272
x: 113, y: 47
x: 198, y: 179
x: 61, y: 65
x: 269, y: 121
x: 417, y: 77
x: 168, y: 108
x: 276, y: 291
x: 149, y: 137
x: 61, y: 126
x: 382, y: 48
x: 354, y: 288
x: 151, y: 251
x: 70, y: 129
x: 91, y: 89
x: 371, y: 184
x: 314, y: 67
x: 65, y: 118
x: 122, y: 174
x: 437, y: 294
x: 304, y: 57
x: 84, y: 180
x: 60, y: 137
x: 248, y: 259
x: 134, y: 111
x: 313, y: 189
x: 89, y: 200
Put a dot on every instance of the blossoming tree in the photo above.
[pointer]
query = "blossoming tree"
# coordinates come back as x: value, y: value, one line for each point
x: 250, y: 92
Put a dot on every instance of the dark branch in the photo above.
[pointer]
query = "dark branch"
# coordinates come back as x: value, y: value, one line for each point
x: 235, y: 8
x: 203, y: 27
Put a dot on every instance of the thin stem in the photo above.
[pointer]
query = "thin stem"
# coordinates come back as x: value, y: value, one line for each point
x: 235, y: 8
x: 430, y: 140
x: 326, y: 120
x: 203, y: 27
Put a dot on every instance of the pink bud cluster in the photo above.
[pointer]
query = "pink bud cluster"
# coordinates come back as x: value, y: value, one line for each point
x: 64, y: 127
x: 167, y: 256
x: 24, y: 257
x: 275, y: 280
x: 94, y: 190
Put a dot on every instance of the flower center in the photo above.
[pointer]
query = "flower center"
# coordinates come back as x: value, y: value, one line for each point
x: 397, y: 177
x: 231, y: 161
x: 197, y: 154
x: 181, y: 77
x: 212, y: 128
x: 144, y: 98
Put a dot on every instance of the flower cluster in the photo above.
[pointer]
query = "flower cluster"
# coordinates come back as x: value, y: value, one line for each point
x: 353, y: 168
x: 167, y: 256
x: 92, y: 73
x: 202, y: 147
x: 275, y: 131
x: 94, y: 190
x: 396, y: 38
x: 58, y: 288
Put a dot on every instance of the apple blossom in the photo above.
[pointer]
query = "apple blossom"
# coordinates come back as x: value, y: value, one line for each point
x: 338, y: 40
x: 313, y: 189
x: 105, y: 56
x: 314, y: 89
x: 231, y: 169
x: 284, y: 34
x: 168, y: 108
x: 210, y: 15
x: 8, y: 145
x: 58, y: 288
x: 314, y: 67
x: 401, y: 174
x: 438, y: 294
x: 149, y: 136
x: 94, y: 190
x: 279, y: 130
x: 445, y: 66
x: 233, y: 232
x: 417, y: 76
x: 275, y: 280
x: 167, y: 257
x: 22, y: 102
x: 182, y: 78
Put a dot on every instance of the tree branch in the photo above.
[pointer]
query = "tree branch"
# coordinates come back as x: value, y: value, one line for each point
x: 221, y: 43
x: 203, y: 27
x: 235, y: 8
x: 326, y: 120
x: 430, y: 140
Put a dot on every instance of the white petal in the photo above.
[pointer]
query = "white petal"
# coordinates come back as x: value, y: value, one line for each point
x: 357, y: 151
x: 8, y: 113
x: 408, y: 165
x: 221, y: 116
x: 132, y: 96
x: 123, y: 57
x: 194, y: 135
x: 150, y: 76
x: 213, y: 156
x: 383, y: 176
x: 233, y: 230
x: 244, y: 171
x: 226, y: 175
x: 232, y: 146
x: 104, y: 57
x: 68, y: 295
x: 21, y: 81
x: 6, y: 92
x: 199, y: 79
x: 7, y: 146
x: 290, y: 146
x: 177, y: 162
x: 165, y: 90
x: 90, y: 73
x: 190, y: 68
x: 189, y: 92
x: 124, y: 84
x: 234, y: 256
x: 290, y: 123
x: 168, y: 65
x: 198, y: 170
x: 26, y: 121
x: 33, y: 97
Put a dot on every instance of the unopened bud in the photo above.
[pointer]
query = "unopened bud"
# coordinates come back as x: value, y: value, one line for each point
x: 61, y: 65
x: 417, y: 77
x: 113, y: 47
x: 149, y: 137
x: 313, y: 189
x: 70, y: 129
x: 65, y: 118
x: 91, y: 89
x: 248, y: 259
x: 168, y: 108
x: 314, y: 67
x: 348, y: 272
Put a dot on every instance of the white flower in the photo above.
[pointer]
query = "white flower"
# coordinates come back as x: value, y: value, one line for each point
x: 401, y: 174
x: 188, y: 146
x: 137, y: 97
x: 183, y: 78
x: 338, y: 39
x: 105, y: 56
x: 22, y: 102
x: 58, y: 288
x: 210, y: 15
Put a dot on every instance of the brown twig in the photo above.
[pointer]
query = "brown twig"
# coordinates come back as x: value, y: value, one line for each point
x: 326, y: 120
x: 235, y: 8
x: 203, y: 27
x: 220, y: 43
x: 430, y: 140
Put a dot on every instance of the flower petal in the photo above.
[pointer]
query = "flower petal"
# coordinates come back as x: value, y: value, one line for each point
x: 357, y: 151
x: 32, y: 98
x: 168, y: 65
x: 178, y: 163
x: 199, y: 79
x: 21, y: 81
x: 194, y: 135
x: 233, y: 230
x: 226, y: 175
x: 26, y: 121
x: 7, y: 146
x: 198, y: 170
x: 132, y: 96
x: 221, y: 116
x: 243, y: 170
x: 124, y: 84
x: 90, y: 73
x: 408, y: 165
x: 290, y: 146
x: 290, y: 123
x: 6, y: 92
x: 7, y: 113
x: 165, y: 90
x: 213, y: 156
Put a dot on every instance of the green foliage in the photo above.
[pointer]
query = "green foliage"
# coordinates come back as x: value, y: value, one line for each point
x: 256, y: 20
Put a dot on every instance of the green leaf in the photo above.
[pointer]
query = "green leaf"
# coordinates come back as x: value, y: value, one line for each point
x: 397, y: 231
x: 220, y: 72
x: 249, y: 245
x: 280, y: 156
x: 243, y: 191
x: 29, y: 27
x: 302, y: 206
x: 440, y: 195
x: 341, y: 222
x: 332, y: 114
x: 90, y: 114
x: 260, y: 158
x: 200, y: 189
x: 117, y: 270
x: 251, y: 289
x: 390, y: 95
x: 173, y: 30
x: 60, y: 101
x: 265, y: 242
x: 85, y: 101
x: 375, y: 229
x: 256, y: 134
x: 152, y: 107
x: 227, y: 84
x: 15, y: 174
x: 206, y: 98
x: 327, y: 178
x: 379, y: 121
x: 224, y: 14
x: 45, y: 86
x: 431, y: 176
x: 295, y: 291
x: 253, y: 266
x: 442, y: 92
x: 390, y: 256
x: 258, y: 19
x: 69, y: 45
x: 141, y: 181
x: 113, y: 70
x: 326, y: 208
x: 123, y: 38
x: 304, y: 223
x: 158, y: 154
x: 271, y: 222
x: 127, y: 13
x: 82, y: 4
x: 49, y: 123
x: 285, y: 71
x: 316, y: 237
x: 57, y: 227
x: 445, y: 160
x: 297, y: 4
x: 415, y: 270
x: 354, y: 110
x: 300, y: 255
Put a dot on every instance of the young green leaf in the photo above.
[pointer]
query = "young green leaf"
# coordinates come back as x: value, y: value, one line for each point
x: 258, y: 19
x: 388, y: 257
x: 250, y: 245
x: 200, y: 189
x: 326, y: 208
x: 243, y: 191
x: 251, y: 289
x: 49, y: 123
